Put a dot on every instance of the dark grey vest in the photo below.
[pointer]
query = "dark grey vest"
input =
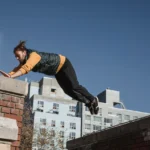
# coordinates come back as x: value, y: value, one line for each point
x: 48, y: 64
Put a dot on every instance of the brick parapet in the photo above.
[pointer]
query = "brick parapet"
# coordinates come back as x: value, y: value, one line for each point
x: 134, y: 135
x: 12, y: 95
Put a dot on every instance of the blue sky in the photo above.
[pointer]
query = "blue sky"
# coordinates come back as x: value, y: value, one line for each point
x: 108, y: 42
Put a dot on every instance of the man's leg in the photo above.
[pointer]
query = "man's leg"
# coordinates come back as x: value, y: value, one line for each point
x: 67, y: 79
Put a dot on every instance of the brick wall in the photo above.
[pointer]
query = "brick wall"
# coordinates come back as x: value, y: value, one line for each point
x: 12, y: 95
x: 129, y: 136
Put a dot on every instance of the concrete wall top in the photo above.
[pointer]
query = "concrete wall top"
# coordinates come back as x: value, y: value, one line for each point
x: 13, y: 86
x: 112, y: 132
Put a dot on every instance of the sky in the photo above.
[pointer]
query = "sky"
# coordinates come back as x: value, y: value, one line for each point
x: 107, y: 42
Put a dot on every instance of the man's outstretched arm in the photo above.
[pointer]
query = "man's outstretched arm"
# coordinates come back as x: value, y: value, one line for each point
x: 34, y: 58
x: 14, y: 70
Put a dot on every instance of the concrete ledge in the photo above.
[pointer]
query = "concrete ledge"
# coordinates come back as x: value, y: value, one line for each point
x: 113, y: 132
x: 13, y: 86
x: 8, y: 129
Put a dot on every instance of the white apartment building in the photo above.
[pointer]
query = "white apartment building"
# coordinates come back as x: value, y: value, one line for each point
x: 54, y: 108
x: 109, y: 115
x: 54, y: 111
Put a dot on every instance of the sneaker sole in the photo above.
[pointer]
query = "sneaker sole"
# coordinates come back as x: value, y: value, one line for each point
x: 96, y: 110
x: 91, y: 110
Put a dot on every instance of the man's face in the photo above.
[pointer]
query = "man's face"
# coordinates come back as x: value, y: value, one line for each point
x: 20, y: 55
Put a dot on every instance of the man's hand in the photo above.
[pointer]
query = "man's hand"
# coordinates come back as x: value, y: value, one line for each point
x: 4, y: 73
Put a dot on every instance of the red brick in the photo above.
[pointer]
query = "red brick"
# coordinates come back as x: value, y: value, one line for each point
x: 10, y: 104
x: 14, y: 99
x: 14, y: 111
x: 13, y: 148
x: 6, y: 97
x: 19, y: 131
x: 21, y: 112
x: 18, y: 118
x: 5, y: 110
x: 19, y: 124
x: 18, y: 99
x: 18, y: 138
x: 16, y: 143
x: 21, y: 100
x: 19, y: 106
x: 3, y: 103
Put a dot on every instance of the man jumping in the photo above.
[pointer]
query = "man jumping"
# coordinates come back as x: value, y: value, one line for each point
x: 56, y: 65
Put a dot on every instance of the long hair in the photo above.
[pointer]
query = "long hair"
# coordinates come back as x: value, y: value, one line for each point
x: 21, y: 46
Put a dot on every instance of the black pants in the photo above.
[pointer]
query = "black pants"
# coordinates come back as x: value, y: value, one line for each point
x: 67, y: 80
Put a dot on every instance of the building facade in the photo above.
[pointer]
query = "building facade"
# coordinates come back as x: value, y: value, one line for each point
x: 112, y: 112
x: 53, y: 108
x: 53, y: 111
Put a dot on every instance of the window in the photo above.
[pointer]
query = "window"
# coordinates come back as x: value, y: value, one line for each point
x: 40, y: 110
x: 55, y: 106
x: 53, y: 90
x: 98, y: 119
x: 62, y: 124
x: 34, y: 142
x: 34, y: 145
x: 127, y: 117
x: 96, y: 127
x: 72, y: 108
x: 42, y: 131
x: 86, y: 108
x: 87, y: 117
x: 72, y: 125
x: 52, y: 132
x: 72, y: 135
x: 119, y: 118
x: 107, y: 120
x: 61, y: 133
x: 135, y: 117
x: 71, y: 115
x: 40, y: 104
x: 53, y: 123
x: 100, y: 111
x: 52, y: 142
x: 55, y: 112
x: 40, y: 90
x: 61, y: 141
x: 87, y: 126
x: 43, y: 121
